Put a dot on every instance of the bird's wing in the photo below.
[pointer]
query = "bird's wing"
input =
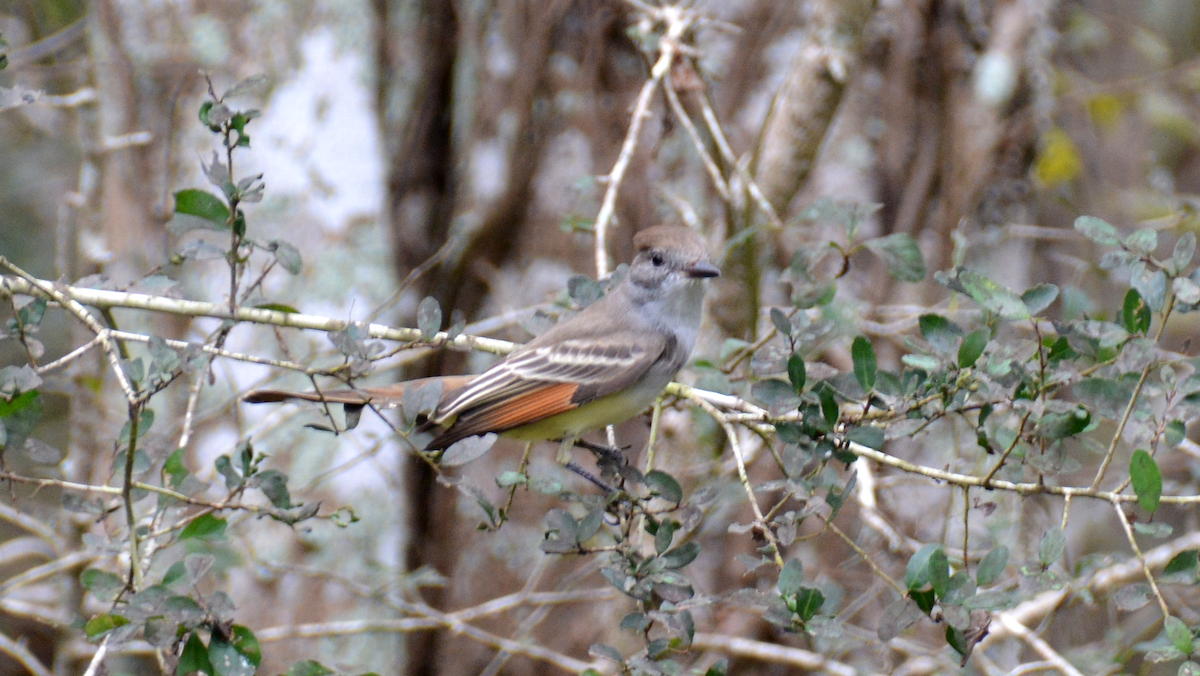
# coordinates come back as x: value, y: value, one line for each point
x: 543, y: 381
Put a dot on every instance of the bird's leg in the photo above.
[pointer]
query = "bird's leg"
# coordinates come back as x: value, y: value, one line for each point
x: 613, y: 454
x: 576, y: 468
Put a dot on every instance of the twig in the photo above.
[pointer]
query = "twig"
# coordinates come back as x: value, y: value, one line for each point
x: 773, y: 653
x: 139, y: 301
x: 1038, y: 645
x: 49, y: 569
x: 103, y: 334
x: 429, y: 619
x: 21, y: 655
x: 714, y: 171
x: 714, y: 128
x: 859, y: 550
x: 97, y: 659
x: 678, y: 21
x: 1137, y: 551
x: 68, y: 357
x: 1137, y: 390
x: 762, y: 526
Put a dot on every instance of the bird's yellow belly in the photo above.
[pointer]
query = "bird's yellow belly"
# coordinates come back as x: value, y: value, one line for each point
x: 594, y: 415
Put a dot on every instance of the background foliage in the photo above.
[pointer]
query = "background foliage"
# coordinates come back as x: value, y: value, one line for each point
x: 938, y: 417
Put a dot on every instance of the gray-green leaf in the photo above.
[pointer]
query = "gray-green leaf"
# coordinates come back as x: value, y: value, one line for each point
x: 900, y: 255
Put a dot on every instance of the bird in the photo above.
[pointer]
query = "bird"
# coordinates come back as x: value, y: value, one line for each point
x: 601, y: 366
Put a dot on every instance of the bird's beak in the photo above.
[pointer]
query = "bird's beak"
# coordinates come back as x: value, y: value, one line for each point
x: 702, y: 269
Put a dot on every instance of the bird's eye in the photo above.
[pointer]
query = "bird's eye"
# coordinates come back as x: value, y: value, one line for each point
x: 657, y: 259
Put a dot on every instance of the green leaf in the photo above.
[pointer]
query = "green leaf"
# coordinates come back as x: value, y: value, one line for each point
x: 205, y: 527
x: 590, y: 524
x: 1052, y: 546
x: 808, y: 602
x: 20, y: 402
x: 956, y: 640
x: 246, y: 643
x: 796, y: 372
x: 429, y: 318
x: 777, y: 395
x: 1061, y: 350
x: 1185, y: 249
x: 829, y: 405
x: 607, y: 652
x: 225, y: 468
x: 836, y: 499
x: 664, y: 485
x: 781, y: 322
x: 1147, y: 480
x: 1097, y: 230
x: 287, y: 255
x: 916, y: 574
x: 310, y: 668
x: 865, y: 365
x: 681, y: 555
x: 635, y: 622
x: 1039, y: 298
x: 992, y: 566
x: 1179, y: 634
x: 104, y: 585
x: 1144, y: 241
x: 227, y: 660
x: 194, y: 658
x: 102, y: 624
x: 465, y: 450
x: 1185, y: 561
x: 992, y: 296
x: 1150, y: 283
x: 867, y: 435
x: 174, y: 468
x: 584, y: 290
x: 1135, y: 314
x: 1060, y: 425
x: 1186, y: 291
x: 900, y: 255
x: 174, y: 574
x: 510, y: 478
x: 664, y: 536
x: 202, y: 204
x: 791, y: 577
x: 924, y: 599
x: 273, y: 484
x: 941, y: 333
x: 939, y: 571
x: 145, y: 422
x: 972, y: 348
x: 1188, y: 668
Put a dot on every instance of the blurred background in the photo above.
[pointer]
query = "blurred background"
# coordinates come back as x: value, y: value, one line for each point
x: 458, y: 149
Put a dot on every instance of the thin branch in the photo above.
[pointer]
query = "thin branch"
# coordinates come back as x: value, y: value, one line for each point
x: 30, y: 286
x: 39, y: 287
x: 59, y: 565
x: 1137, y: 390
x: 1137, y: 551
x: 21, y: 655
x: 678, y: 21
x: 772, y: 653
x: 1038, y: 645
x: 430, y: 619
x: 731, y: 434
x: 684, y: 119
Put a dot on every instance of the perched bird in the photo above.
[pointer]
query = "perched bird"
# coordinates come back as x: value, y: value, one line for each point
x: 602, y: 366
